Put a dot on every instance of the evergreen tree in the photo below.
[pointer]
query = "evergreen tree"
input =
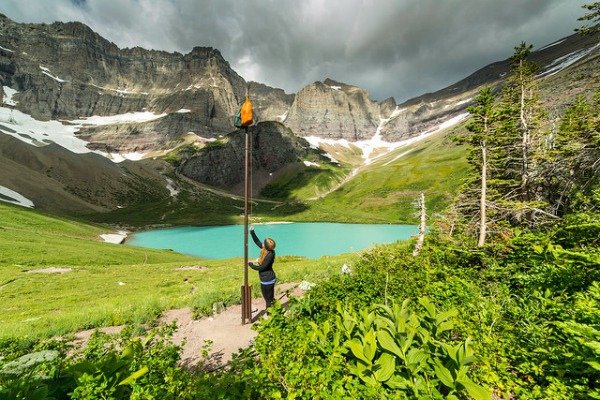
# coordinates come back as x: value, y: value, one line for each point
x: 519, y: 138
x: 592, y: 15
x: 481, y: 129
x: 573, y: 165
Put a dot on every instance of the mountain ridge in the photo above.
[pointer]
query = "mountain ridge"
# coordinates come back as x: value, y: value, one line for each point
x: 176, y: 104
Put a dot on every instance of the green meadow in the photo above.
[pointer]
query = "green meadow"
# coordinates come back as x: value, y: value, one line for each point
x: 110, y: 284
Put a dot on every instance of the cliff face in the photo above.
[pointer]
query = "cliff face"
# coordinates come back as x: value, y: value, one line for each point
x: 66, y: 71
x: 334, y: 110
x: 273, y: 146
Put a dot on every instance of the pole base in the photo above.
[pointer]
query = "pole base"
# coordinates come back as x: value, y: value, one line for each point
x: 246, y: 304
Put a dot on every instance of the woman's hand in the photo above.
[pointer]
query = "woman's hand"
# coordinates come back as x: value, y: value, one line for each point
x: 251, y: 228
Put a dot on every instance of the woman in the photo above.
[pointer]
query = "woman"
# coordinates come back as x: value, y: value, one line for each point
x: 264, y: 266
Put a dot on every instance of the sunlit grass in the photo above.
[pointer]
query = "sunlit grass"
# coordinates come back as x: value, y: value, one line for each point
x: 110, y: 284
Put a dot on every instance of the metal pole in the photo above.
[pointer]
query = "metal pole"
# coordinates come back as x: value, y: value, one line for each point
x: 246, y: 297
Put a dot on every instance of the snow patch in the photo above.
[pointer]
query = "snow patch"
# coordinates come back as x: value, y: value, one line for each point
x: 552, y: 44
x: 39, y: 133
x: 183, y: 111
x: 376, y: 142
x: 140, y: 116
x: 5, y: 49
x: 368, y: 146
x: 120, y: 157
x: 567, y: 60
x: 10, y: 196
x: 47, y: 72
x: 115, y: 238
x: 336, y: 87
x: 311, y: 164
x: 8, y: 96
x: 283, y: 116
x: 173, y: 191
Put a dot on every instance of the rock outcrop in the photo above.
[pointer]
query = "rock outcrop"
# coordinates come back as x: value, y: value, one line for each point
x: 334, y: 110
x: 221, y: 164
x: 67, y: 71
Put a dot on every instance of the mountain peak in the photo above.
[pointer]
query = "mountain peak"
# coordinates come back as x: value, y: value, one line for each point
x: 205, y: 52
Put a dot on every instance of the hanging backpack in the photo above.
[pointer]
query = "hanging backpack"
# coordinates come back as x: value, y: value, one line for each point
x: 246, y: 113
x: 237, y: 119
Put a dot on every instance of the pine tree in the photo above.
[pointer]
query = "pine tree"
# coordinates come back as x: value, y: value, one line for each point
x: 519, y: 140
x: 573, y: 164
x: 481, y: 129
x: 592, y: 15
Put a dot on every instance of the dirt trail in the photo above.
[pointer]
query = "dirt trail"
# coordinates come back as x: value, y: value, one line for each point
x: 224, y: 330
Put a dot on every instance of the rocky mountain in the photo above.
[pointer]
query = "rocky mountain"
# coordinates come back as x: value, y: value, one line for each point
x: 65, y: 71
x: 334, y: 110
x: 221, y: 163
x: 428, y: 110
x: 137, y: 103
x: 60, y: 181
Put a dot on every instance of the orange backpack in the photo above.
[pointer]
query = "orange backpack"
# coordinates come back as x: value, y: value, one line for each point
x: 246, y: 113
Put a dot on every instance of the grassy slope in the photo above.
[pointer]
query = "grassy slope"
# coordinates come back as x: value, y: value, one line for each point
x: 40, y: 305
x: 47, y: 304
x: 385, y: 191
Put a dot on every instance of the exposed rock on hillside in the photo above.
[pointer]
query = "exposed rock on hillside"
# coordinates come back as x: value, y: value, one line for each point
x: 221, y: 164
x: 63, y: 182
x: 67, y: 71
x: 334, y: 110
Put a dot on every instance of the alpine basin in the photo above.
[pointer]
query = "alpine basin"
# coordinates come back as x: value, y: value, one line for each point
x: 311, y: 240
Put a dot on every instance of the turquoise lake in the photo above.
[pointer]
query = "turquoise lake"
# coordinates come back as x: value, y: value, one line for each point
x: 311, y: 240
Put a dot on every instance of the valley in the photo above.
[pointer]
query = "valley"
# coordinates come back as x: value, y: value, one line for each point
x: 501, y: 301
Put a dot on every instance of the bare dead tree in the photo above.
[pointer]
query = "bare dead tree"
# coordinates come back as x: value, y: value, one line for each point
x: 422, y: 225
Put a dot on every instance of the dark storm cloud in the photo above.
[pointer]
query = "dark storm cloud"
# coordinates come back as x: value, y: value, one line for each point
x: 399, y: 48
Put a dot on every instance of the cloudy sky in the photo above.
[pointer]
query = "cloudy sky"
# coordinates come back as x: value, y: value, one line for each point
x: 400, y: 48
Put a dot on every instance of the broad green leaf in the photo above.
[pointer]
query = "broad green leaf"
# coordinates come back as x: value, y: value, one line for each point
x: 415, y: 357
x: 385, y: 311
x: 387, y: 367
x: 326, y: 328
x: 451, y: 351
x: 407, y: 342
x: 426, y: 302
x: 385, y: 323
x: 404, y: 307
x: 397, y: 382
x: 356, y: 347
x: 445, y: 326
x: 475, y: 391
x: 133, y: 377
x: 388, y: 343
x: 367, y: 377
x: 461, y: 374
x: 357, y: 369
x: 441, y: 317
x: 444, y: 374
x: 594, y: 364
x: 469, y: 360
x: 369, y: 345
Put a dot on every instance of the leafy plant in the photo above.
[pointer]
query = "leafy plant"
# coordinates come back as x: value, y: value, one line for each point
x: 406, y: 350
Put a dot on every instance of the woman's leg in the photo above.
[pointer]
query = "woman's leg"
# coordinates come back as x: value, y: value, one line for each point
x: 268, y: 292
